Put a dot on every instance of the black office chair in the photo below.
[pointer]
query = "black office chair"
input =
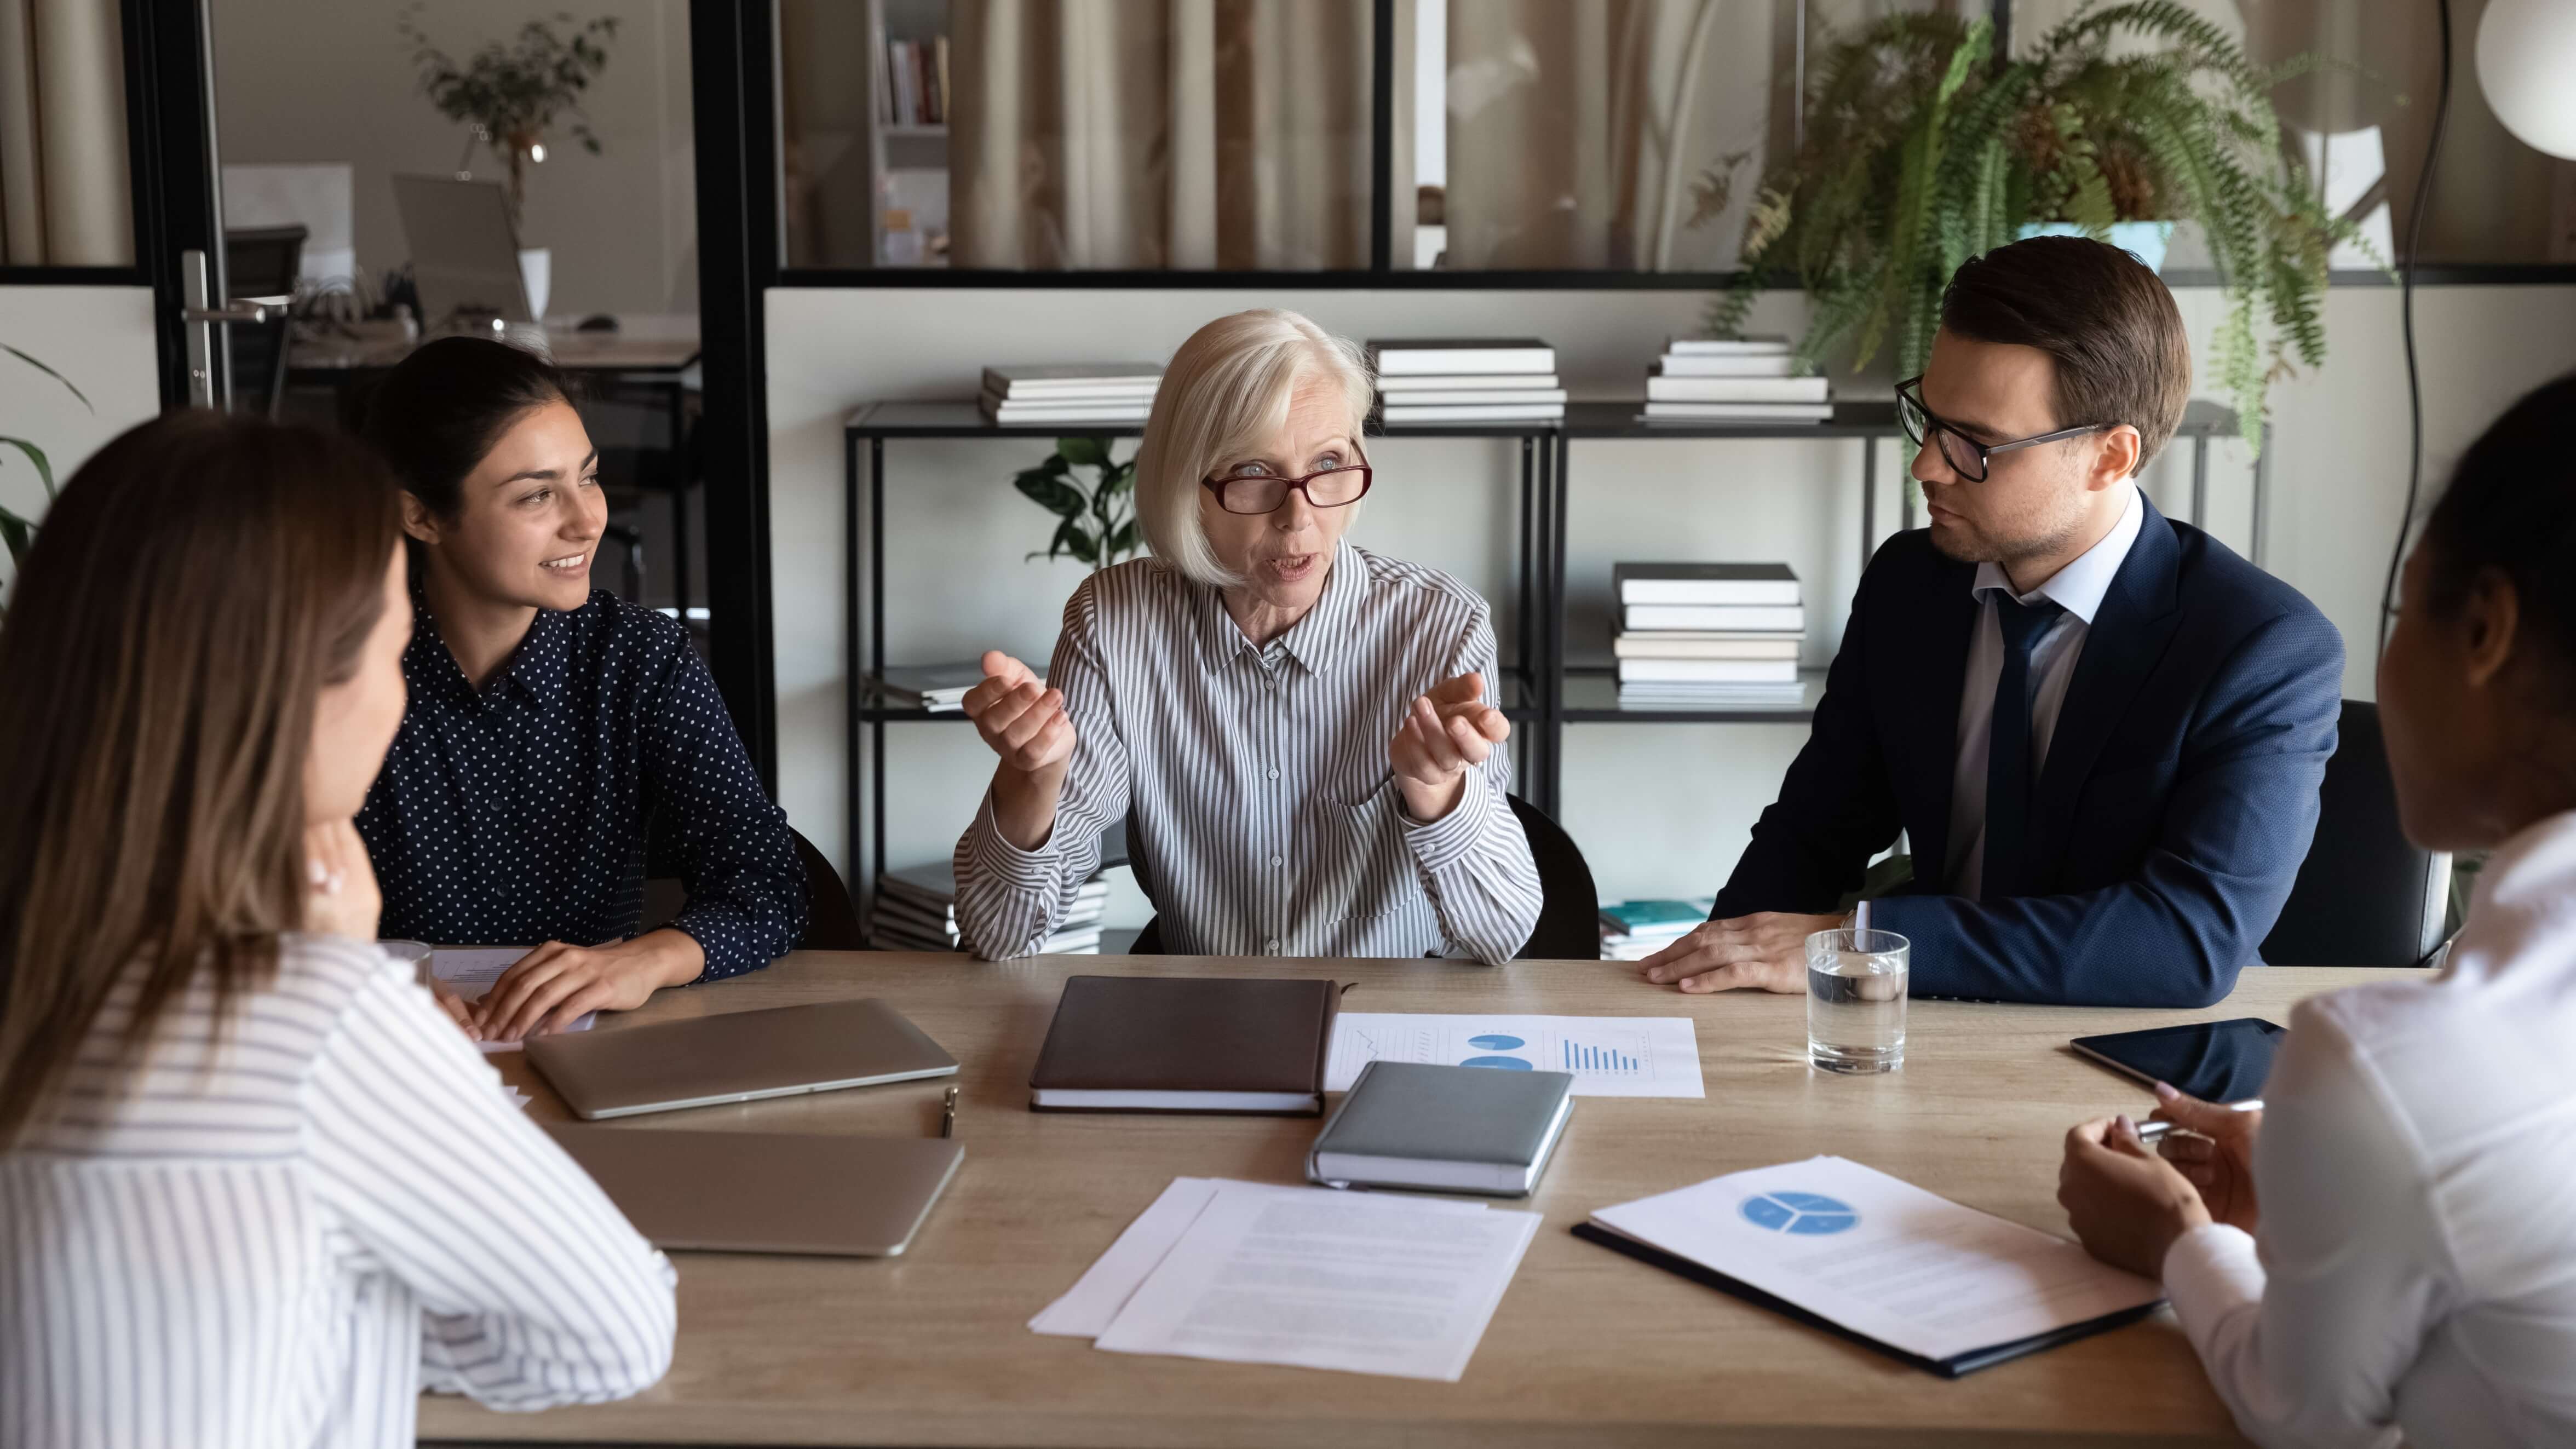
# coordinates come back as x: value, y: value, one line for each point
x: 831, y: 921
x: 261, y: 262
x: 2365, y: 896
x: 1569, y: 913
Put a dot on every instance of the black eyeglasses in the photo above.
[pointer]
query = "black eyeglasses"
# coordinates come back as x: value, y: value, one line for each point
x: 1262, y: 493
x: 1965, y: 455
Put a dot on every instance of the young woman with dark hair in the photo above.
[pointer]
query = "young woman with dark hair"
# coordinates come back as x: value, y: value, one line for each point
x: 553, y: 729
x: 2388, y: 1245
x: 254, y: 1190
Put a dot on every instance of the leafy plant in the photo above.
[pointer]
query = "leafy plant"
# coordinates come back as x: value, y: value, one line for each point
x: 16, y: 531
x: 1923, y: 148
x: 510, y: 94
x: 1096, y: 524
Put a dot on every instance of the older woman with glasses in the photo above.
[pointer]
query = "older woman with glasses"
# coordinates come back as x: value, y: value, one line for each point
x: 1303, y: 734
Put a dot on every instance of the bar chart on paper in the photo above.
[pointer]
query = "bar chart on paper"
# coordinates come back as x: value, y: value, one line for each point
x: 1610, y: 1056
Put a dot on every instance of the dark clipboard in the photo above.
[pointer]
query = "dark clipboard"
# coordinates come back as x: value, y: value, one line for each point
x: 1957, y: 1366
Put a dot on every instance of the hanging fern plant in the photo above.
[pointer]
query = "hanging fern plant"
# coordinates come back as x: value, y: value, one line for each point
x: 1922, y: 150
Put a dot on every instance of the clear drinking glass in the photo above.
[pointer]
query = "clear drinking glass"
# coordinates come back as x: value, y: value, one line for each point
x: 1856, y: 1000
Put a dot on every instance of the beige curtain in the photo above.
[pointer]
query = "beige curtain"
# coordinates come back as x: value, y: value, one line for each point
x: 65, y: 200
x: 1187, y: 134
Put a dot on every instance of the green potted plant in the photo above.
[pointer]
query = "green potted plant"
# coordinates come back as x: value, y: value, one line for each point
x: 1923, y: 148
x: 509, y: 96
x: 17, y: 531
x: 1095, y: 523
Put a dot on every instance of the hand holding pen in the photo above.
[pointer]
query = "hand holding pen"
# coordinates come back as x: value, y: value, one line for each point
x: 2212, y: 1145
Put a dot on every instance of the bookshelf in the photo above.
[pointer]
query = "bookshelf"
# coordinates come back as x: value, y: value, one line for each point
x: 1538, y: 687
x: 908, y: 108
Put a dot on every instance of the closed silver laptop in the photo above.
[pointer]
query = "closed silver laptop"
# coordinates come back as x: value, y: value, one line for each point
x: 766, y: 1192
x: 740, y: 1056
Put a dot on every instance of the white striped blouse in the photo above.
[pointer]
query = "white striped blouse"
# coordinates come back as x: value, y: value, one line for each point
x: 280, y: 1239
x: 1267, y: 820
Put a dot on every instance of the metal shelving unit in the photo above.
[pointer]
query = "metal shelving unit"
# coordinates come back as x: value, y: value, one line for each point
x: 1538, y: 687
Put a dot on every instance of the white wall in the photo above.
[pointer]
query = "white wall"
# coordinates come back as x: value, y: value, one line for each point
x: 326, y: 80
x: 1657, y: 808
x: 101, y: 339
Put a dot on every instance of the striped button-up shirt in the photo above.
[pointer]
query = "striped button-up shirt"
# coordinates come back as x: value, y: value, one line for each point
x: 1266, y: 816
x: 276, y: 1232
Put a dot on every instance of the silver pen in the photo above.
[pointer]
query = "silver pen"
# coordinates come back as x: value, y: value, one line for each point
x: 2151, y: 1133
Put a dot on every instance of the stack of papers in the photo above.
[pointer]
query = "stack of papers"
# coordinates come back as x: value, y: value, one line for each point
x: 470, y: 973
x: 1733, y: 380
x: 1873, y: 1258
x: 916, y: 910
x: 1070, y: 392
x: 1610, y: 1056
x: 1253, y: 1273
x: 1467, y: 380
x: 1635, y: 930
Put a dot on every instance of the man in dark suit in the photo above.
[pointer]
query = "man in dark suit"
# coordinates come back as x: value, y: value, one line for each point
x: 2102, y: 731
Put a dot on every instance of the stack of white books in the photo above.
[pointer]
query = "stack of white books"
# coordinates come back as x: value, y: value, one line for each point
x: 1071, y: 392
x: 1708, y: 633
x: 1466, y: 380
x: 1635, y: 930
x: 916, y: 910
x: 938, y: 688
x: 1733, y: 380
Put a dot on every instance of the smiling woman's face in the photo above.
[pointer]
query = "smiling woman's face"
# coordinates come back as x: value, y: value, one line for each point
x: 1282, y: 556
x: 528, y: 517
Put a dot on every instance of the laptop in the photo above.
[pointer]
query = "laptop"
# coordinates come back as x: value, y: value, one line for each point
x: 766, y: 1192
x: 464, y: 249
x: 738, y: 1056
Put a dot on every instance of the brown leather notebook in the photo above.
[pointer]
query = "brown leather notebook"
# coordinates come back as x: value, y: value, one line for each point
x: 1187, y: 1044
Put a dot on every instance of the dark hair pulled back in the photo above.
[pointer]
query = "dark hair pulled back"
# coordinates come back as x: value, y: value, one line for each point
x: 442, y: 409
x: 2511, y: 511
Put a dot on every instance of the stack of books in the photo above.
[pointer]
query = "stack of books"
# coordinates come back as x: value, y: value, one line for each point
x: 1733, y: 380
x: 1466, y: 380
x: 1071, y: 392
x: 1708, y: 633
x: 912, y: 76
x: 938, y: 688
x: 1635, y: 930
x: 916, y: 910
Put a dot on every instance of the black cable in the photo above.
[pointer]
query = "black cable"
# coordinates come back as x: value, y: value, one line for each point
x: 2406, y: 324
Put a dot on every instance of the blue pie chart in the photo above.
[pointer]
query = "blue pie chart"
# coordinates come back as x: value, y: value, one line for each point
x: 1509, y: 1064
x: 1496, y: 1042
x: 1807, y: 1214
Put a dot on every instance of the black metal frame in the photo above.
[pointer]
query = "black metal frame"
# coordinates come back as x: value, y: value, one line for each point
x: 1534, y: 686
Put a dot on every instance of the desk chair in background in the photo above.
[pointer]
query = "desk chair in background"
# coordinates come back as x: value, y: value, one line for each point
x: 1569, y: 913
x: 831, y: 921
x: 261, y: 262
x: 2366, y: 896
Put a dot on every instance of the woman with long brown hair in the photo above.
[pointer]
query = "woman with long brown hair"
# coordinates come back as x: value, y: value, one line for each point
x: 254, y: 1187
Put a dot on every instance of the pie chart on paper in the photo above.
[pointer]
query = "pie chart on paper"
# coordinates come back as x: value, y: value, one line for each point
x: 1807, y: 1214
x: 1496, y: 1042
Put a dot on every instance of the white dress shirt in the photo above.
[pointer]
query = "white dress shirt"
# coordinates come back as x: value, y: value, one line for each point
x: 1267, y: 819
x: 2415, y: 1268
x: 277, y: 1232
x: 2078, y: 589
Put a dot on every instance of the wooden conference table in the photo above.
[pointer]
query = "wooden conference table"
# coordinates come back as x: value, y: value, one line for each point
x: 1587, y: 1347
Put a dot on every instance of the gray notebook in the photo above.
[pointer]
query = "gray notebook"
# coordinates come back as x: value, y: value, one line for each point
x: 1448, y: 1129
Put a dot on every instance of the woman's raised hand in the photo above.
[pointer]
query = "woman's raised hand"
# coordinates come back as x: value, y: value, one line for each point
x: 1444, y: 732
x: 1023, y: 720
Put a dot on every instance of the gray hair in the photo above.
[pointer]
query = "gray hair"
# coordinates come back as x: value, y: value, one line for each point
x: 1226, y: 390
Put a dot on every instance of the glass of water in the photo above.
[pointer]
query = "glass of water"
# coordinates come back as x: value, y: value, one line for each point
x: 1856, y: 1000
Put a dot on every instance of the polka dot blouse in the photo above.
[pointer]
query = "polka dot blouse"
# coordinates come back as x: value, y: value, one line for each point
x: 531, y: 811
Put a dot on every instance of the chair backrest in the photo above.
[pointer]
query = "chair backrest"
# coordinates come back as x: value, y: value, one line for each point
x: 261, y: 262
x: 1569, y: 915
x: 831, y: 921
x: 2365, y: 896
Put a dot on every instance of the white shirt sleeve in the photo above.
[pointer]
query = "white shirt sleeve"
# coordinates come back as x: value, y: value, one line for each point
x: 536, y: 1291
x: 2306, y: 1329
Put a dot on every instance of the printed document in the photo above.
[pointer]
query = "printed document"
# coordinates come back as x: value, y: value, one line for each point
x: 1882, y: 1257
x: 1610, y: 1056
x: 470, y: 973
x: 1331, y: 1280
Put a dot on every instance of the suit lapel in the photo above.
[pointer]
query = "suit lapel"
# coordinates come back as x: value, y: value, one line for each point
x: 2128, y: 635
x: 1939, y: 648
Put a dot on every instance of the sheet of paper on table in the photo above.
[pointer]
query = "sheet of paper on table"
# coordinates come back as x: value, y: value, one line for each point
x: 470, y: 973
x: 1882, y: 1257
x: 1310, y: 1277
x: 1610, y: 1056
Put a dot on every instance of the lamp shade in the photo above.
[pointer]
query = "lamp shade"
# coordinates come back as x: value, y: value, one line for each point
x: 2527, y: 67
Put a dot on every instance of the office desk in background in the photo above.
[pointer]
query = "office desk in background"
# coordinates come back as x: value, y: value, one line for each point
x: 1588, y: 1347
x: 650, y: 357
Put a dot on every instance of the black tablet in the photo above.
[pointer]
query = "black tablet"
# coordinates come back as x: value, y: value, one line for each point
x: 2216, y: 1061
